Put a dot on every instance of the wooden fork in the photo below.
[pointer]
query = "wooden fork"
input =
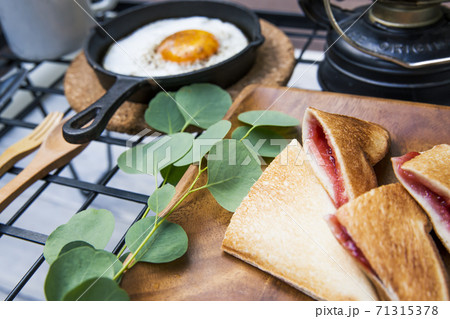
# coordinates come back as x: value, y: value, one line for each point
x: 29, y: 143
x: 54, y: 153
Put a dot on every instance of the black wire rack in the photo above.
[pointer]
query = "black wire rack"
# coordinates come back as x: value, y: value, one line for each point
x: 303, y: 33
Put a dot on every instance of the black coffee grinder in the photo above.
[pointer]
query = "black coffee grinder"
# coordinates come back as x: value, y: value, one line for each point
x: 392, y: 48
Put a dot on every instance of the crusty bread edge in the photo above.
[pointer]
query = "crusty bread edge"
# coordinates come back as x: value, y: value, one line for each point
x: 431, y: 183
x: 378, y: 126
x: 440, y: 230
x: 351, y: 188
x: 423, y: 175
x: 446, y: 280
x: 272, y: 272
x: 383, y: 293
x: 320, y: 173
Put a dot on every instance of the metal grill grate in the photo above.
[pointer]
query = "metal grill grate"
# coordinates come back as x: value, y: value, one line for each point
x: 304, y: 34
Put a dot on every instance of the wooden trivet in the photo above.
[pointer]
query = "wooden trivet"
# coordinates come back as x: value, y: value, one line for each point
x: 273, y: 66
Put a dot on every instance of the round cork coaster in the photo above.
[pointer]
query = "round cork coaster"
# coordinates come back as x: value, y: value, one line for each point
x: 274, y: 64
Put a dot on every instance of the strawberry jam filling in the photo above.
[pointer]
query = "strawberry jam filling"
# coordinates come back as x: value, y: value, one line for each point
x: 325, y: 156
x: 440, y: 204
x: 346, y: 241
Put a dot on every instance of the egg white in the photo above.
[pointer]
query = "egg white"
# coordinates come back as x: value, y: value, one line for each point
x: 136, y: 54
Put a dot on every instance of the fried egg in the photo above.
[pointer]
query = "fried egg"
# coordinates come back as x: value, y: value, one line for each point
x: 174, y: 46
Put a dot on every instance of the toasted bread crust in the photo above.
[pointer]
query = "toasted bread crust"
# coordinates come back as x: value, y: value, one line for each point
x: 432, y: 168
x: 427, y: 168
x: 357, y: 144
x: 279, y: 228
x: 393, y: 233
x: 439, y: 227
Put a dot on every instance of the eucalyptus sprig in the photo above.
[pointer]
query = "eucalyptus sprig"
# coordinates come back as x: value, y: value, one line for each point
x: 80, y: 268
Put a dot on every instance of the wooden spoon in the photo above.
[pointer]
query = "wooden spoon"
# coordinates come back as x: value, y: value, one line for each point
x: 53, y: 153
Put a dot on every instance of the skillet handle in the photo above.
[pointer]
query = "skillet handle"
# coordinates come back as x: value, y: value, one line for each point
x: 76, y: 131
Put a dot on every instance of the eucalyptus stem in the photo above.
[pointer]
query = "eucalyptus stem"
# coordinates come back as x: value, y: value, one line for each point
x: 121, y: 251
x: 157, y: 224
x: 200, y: 188
x: 131, y: 258
x: 186, y: 124
x: 125, y: 245
x: 167, y: 176
x: 248, y: 133
x: 156, y: 180
x: 145, y: 213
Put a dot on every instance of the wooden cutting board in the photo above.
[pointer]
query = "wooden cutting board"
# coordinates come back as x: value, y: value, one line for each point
x: 206, y: 272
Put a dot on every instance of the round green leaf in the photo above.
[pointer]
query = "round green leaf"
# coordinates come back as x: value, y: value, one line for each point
x: 172, y: 174
x: 156, y: 155
x: 161, y: 197
x: 205, y: 142
x: 263, y: 141
x: 133, y: 158
x: 77, y: 266
x: 232, y: 170
x: 163, y: 115
x: 101, y: 289
x: 168, y: 242
x: 268, y: 118
x: 92, y: 226
x: 73, y: 245
x: 203, y: 104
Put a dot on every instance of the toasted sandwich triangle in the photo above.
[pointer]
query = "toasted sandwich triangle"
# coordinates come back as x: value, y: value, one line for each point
x: 426, y: 177
x: 280, y: 228
x: 392, y: 232
x: 357, y: 145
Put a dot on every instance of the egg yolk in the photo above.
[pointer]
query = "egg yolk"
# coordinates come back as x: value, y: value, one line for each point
x: 188, y: 46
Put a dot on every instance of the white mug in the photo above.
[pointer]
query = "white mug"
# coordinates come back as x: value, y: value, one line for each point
x: 46, y: 29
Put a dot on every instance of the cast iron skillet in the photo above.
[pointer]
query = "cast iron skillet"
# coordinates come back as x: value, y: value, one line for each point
x: 89, y: 124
